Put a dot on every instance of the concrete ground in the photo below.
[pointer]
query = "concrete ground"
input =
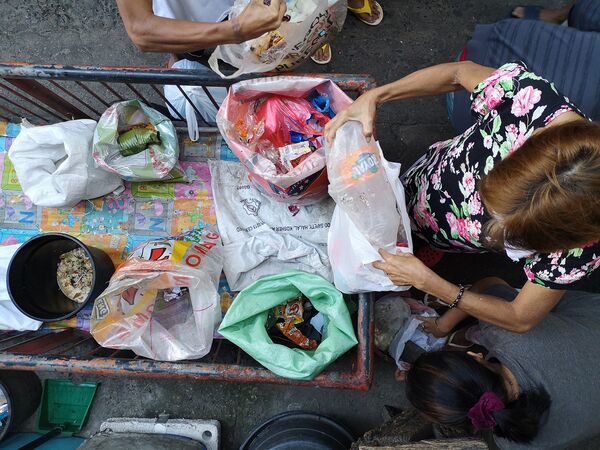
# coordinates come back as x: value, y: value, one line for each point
x: 414, y: 34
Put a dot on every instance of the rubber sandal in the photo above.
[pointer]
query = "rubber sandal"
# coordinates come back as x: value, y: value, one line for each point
x: 452, y: 345
x: 327, y: 50
x: 366, y: 9
x: 532, y: 12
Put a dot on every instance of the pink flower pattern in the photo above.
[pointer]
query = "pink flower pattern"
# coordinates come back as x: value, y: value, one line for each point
x: 525, y: 100
x: 442, y: 194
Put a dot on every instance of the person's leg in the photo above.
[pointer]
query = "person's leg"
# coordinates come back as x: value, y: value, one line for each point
x: 564, y: 55
x: 545, y: 15
x: 322, y: 55
x: 585, y: 15
x: 372, y: 10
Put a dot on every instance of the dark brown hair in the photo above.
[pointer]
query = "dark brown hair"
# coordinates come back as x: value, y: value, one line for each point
x: 444, y: 386
x: 546, y: 196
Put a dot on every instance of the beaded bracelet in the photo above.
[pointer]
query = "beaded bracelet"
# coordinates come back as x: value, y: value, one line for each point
x: 461, y: 291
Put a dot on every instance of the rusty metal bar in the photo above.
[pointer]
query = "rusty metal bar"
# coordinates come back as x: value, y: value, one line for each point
x: 155, y: 369
x: 81, y: 341
x: 199, y: 115
x: 10, y: 111
x: 14, y: 335
x: 143, y: 75
x: 358, y: 379
x: 210, y: 97
x: 92, y: 93
x: 43, y: 343
x: 216, y: 351
x: 70, y: 94
x: 19, y: 106
x: 111, y: 90
x: 148, y: 75
x: 93, y: 351
x: 138, y: 93
x: 47, y: 97
x: 169, y: 104
x: 29, y: 337
x: 364, y: 359
x: 18, y: 94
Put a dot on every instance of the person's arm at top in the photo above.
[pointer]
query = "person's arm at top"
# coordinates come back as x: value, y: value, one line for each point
x: 530, y: 306
x: 152, y: 33
x: 434, y: 80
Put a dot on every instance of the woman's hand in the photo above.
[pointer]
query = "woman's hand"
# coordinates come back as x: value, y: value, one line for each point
x: 435, y: 326
x: 404, y: 269
x: 363, y: 110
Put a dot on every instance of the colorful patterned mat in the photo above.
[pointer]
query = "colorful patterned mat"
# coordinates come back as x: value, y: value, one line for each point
x: 118, y: 223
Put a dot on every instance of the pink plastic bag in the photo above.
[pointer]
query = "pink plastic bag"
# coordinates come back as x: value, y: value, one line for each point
x: 249, y: 137
x: 280, y: 115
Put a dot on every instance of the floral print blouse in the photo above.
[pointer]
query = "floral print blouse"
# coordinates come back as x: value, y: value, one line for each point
x: 442, y: 187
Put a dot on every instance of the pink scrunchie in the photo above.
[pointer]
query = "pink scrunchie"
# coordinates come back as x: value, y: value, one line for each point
x: 481, y: 414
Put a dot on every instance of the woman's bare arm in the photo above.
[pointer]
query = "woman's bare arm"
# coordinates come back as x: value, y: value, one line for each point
x: 433, y: 80
x: 530, y: 306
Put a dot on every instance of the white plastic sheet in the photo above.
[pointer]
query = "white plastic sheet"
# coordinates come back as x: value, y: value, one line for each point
x: 10, y: 317
x: 263, y: 237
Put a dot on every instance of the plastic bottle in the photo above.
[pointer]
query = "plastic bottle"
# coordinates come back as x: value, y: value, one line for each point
x: 359, y: 185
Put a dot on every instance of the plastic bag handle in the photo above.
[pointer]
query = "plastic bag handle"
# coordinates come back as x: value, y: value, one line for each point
x: 213, y: 62
x: 192, y: 121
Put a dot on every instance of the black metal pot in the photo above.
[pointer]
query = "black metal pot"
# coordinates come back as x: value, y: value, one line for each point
x: 299, y: 430
x: 31, y: 277
x: 20, y: 395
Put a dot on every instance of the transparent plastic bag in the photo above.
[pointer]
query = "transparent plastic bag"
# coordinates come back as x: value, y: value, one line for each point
x: 370, y: 212
x: 312, y: 24
x: 162, y: 303
x: 359, y: 185
x: 158, y: 162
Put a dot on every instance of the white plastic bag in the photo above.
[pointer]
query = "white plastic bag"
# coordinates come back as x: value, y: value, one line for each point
x: 54, y: 164
x: 312, y: 24
x: 10, y: 317
x: 412, y: 332
x: 163, y: 302
x: 367, y: 217
x: 197, y: 95
x: 157, y: 162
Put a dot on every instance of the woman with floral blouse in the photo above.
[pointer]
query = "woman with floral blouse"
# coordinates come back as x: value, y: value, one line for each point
x: 524, y: 179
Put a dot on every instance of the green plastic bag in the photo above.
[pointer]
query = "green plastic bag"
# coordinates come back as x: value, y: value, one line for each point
x: 158, y: 162
x: 244, y: 324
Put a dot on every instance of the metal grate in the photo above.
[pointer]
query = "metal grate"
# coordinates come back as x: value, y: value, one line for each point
x: 51, y: 93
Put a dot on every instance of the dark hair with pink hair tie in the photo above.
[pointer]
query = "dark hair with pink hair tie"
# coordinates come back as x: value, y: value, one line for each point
x: 482, y: 412
x: 452, y: 388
